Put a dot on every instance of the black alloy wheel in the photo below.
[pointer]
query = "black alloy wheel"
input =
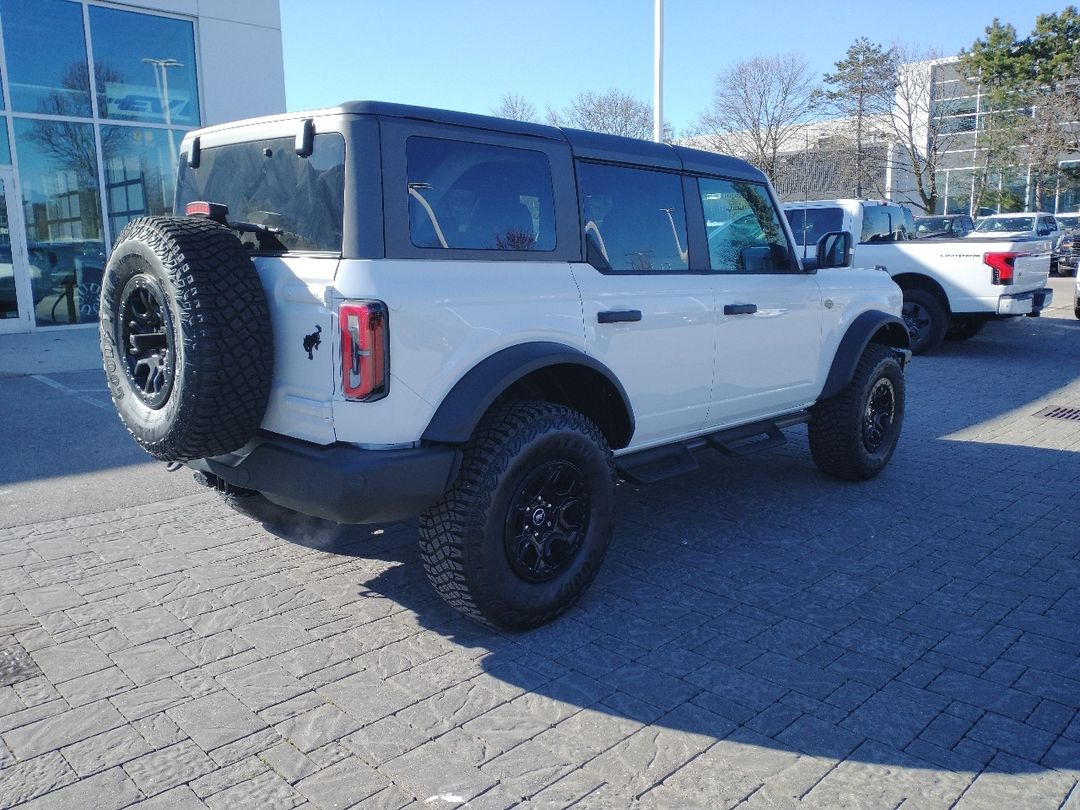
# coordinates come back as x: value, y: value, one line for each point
x: 547, y: 520
x: 880, y: 413
x: 146, y: 335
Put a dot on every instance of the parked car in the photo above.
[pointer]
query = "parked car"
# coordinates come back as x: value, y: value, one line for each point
x: 952, y: 287
x: 380, y: 311
x: 1067, y: 251
x: 943, y: 226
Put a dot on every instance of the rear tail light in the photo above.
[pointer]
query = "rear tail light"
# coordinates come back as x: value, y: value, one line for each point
x: 364, y: 358
x: 1002, y: 266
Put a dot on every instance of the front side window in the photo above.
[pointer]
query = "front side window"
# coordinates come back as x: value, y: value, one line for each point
x: 743, y: 228
x: 476, y: 196
x: 298, y: 201
x: 634, y: 218
x: 145, y: 67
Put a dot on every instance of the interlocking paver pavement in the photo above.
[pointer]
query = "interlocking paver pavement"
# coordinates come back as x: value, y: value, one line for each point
x: 759, y: 636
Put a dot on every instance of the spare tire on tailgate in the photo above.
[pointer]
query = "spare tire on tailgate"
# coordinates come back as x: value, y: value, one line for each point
x: 185, y: 337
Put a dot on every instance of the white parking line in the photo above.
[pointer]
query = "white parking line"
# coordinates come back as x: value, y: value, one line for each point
x: 72, y: 392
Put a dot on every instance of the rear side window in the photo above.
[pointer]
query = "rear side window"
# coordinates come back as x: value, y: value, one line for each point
x: 301, y: 200
x: 635, y: 218
x: 743, y: 228
x: 876, y: 225
x: 810, y: 224
x: 479, y: 196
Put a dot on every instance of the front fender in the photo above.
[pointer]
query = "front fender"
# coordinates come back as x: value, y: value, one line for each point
x: 863, y: 330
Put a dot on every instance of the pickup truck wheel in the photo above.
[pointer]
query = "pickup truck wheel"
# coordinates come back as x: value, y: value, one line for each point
x: 185, y: 337
x: 521, y: 533
x: 964, y: 330
x: 926, y: 320
x: 853, y: 435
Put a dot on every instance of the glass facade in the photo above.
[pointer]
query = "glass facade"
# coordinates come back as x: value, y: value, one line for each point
x: 90, y: 155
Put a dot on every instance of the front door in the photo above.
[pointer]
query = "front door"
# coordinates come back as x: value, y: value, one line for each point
x: 15, y: 293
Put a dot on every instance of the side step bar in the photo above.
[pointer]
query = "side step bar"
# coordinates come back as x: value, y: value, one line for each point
x: 657, y: 463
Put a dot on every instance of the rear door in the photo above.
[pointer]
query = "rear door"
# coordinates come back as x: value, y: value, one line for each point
x: 648, y: 316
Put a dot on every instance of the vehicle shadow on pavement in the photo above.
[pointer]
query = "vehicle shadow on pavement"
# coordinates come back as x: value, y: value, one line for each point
x: 927, y: 619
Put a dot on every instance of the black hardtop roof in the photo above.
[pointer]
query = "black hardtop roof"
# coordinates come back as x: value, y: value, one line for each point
x: 582, y: 143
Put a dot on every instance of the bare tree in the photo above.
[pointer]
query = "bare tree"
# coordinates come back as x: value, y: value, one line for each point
x: 613, y: 112
x: 758, y: 107
x: 516, y: 107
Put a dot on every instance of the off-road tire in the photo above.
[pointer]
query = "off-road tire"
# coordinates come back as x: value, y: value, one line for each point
x: 463, y: 537
x: 185, y: 337
x: 926, y: 320
x: 839, y: 425
x: 964, y: 329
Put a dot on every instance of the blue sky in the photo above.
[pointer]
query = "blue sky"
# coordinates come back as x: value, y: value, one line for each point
x: 465, y: 55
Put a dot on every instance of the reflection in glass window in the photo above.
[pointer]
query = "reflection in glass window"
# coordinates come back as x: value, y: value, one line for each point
x: 140, y: 172
x: 45, y: 51
x: 634, y: 217
x: 743, y: 228
x: 5, y: 147
x: 58, y: 176
x: 479, y: 197
x: 299, y: 200
x: 145, y: 67
x: 810, y: 224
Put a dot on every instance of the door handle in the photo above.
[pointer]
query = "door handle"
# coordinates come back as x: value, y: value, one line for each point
x: 740, y: 309
x: 618, y: 315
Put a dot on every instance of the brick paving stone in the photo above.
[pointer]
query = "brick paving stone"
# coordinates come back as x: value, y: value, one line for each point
x: 95, y: 686
x: 366, y: 696
x: 176, y: 765
x: 62, y: 729
x: 227, y: 777
x: 110, y: 790
x: 150, y: 699
x: 318, y: 727
x: 267, y: 791
x: 151, y: 662
x: 25, y: 780
x: 71, y: 660
x: 432, y: 771
x: 180, y: 798
x: 105, y: 750
x: 288, y: 762
x: 261, y: 684
x: 215, y: 720
x: 342, y: 785
x: 1013, y: 783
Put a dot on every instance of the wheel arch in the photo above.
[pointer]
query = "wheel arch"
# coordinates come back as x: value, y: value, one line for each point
x: 546, y: 371
x: 917, y: 281
x: 873, y: 326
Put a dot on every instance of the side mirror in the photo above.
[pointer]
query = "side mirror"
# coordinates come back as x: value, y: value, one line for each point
x: 834, y: 250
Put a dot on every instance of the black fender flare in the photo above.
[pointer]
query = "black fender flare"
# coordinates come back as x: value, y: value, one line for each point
x: 854, y: 343
x: 472, y: 395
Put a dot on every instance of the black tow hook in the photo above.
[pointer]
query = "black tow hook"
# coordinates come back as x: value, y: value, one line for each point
x: 173, y: 466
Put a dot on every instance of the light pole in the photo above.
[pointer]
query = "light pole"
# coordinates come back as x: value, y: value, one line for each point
x: 161, y: 81
x: 658, y: 71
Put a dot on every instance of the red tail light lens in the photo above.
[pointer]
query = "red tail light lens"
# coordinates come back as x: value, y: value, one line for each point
x: 364, y: 359
x: 1002, y: 266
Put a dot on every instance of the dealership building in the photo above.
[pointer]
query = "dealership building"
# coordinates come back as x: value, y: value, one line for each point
x: 96, y: 99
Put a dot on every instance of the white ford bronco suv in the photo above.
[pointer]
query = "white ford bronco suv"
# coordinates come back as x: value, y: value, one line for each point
x: 379, y: 311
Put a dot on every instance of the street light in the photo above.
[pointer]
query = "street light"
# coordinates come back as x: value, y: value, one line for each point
x: 161, y: 81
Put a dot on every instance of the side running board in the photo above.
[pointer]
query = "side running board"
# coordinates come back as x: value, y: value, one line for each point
x: 657, y: 463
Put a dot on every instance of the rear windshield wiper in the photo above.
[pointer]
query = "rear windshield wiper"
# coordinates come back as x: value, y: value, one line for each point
x: 265, y: 234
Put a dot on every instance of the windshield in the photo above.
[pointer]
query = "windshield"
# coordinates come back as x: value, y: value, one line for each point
x: 810, y: 224
x: 1067, y: 221
x: 299, y: 200
x: 1005, y: 224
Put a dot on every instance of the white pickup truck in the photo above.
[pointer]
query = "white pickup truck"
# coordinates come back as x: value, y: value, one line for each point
x: 952, y: 287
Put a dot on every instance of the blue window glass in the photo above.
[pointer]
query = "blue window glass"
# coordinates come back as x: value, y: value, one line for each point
x: 58, y: 177
x: 5, y: 147
x: 144, y: 67
x: 140, y: 172
x: 46, y: 57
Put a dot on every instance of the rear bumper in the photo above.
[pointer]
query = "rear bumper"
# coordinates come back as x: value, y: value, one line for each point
x: 1027, y: 303
x: 338, y: 482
